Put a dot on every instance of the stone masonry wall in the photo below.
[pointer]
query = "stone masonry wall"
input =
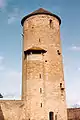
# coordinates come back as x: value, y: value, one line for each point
x: 39, y: 32
x: 43, y: 87
x: 12, y: 110
x: 73, y: 113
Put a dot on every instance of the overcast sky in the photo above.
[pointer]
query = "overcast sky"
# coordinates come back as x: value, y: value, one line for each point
x: 11, y: 13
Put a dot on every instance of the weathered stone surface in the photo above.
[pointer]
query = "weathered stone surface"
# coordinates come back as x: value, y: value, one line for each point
x: 43, y: 87
x: 41, y: 33
x: 12, y: 110
x: 73, y: 113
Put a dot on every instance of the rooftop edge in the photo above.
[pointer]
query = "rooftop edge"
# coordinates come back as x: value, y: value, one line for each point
x: 40, y: 11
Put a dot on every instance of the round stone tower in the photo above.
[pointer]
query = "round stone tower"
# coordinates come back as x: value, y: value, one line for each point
x: 43, y: 88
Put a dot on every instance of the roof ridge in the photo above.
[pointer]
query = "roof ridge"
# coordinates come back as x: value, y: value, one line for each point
x: 41, y: 10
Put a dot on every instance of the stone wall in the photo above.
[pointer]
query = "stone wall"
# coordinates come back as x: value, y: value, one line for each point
x: 73, y: 113
x: 43, y: 87
x: 12, y: 110
x: 39, y: 32
x: 15, y: 110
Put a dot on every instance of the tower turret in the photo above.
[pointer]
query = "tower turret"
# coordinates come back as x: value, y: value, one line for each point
x: 43, y: 86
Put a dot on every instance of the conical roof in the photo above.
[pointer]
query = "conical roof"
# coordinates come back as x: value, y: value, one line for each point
x: 40, y: 11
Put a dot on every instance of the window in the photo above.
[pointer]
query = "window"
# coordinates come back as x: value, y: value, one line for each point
x: 41, y: 104
x: 39, y: 75
x: 50, y: 22
x: 40, y: 90
x: 39, y: 40
x: 58, y: 52
x: 51, y: 116
x: 60, y: 85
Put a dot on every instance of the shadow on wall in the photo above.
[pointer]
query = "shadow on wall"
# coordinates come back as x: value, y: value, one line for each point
x: 1, y: 114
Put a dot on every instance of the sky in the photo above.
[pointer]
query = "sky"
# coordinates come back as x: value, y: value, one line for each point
x: 11, y: 13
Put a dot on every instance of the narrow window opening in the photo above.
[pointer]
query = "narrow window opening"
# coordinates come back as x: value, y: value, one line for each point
x: 60, y: 85
x: 39, y: 40
x: 50, y: 22
x: 40, y: 90
x: 41, y: 104
x: 55, y: 117
x: 58, y: 52
x: 51, y: 116
x: 39, y: 75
